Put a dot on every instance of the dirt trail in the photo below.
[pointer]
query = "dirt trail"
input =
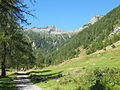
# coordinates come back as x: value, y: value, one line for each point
x: 23, y: 83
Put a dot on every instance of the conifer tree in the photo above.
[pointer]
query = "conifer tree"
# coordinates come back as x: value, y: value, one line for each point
x: 11, y: 14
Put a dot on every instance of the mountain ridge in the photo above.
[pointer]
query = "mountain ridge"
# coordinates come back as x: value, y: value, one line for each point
x: 55, y: 30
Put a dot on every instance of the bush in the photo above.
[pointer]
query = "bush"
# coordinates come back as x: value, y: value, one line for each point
x: 104, y: 79
x: 104, y: 49
x: 113, y: 46
x: 98, y: 79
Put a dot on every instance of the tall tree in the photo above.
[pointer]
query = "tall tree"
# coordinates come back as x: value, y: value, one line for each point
x: 11, y: 13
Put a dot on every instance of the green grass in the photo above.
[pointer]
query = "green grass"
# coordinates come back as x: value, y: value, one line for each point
x: 8, y: 82
x: 77, y: 71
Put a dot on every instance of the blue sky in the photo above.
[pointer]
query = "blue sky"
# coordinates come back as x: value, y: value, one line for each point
x: 67, y: 14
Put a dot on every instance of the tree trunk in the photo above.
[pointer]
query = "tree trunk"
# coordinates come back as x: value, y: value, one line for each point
x: 17, y: 68
x: 3, y: 72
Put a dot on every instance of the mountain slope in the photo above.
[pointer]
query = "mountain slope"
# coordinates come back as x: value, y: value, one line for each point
x: 47, y: 42
x: 51, y: 37
x: 92, y: 38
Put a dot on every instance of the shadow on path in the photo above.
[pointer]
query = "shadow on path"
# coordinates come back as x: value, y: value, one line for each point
x: 23, y: 83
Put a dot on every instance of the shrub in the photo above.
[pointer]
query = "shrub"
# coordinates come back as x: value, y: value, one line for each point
x: 104, y: 49
x: 98, y: 79
x: 113, y: 46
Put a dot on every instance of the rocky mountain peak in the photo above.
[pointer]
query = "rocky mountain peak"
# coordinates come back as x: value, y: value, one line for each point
x: 55, y: 30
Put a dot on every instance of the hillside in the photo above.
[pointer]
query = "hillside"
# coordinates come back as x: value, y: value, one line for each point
x: 44, y: 44
x: 79, y: 72
x: 47, y: 40
x: 53, y: 36
x: 93, y: 38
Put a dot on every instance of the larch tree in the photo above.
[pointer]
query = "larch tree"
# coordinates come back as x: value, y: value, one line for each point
x: 11, y: 39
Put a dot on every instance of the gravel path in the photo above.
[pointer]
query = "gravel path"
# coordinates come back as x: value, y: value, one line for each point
x: 23, y: 83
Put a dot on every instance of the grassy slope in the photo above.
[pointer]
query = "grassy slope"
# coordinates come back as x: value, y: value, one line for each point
x: 48, y: 78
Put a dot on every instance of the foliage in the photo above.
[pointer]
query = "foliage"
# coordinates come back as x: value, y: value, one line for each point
x: 113, y: 46
x: 98, y: 79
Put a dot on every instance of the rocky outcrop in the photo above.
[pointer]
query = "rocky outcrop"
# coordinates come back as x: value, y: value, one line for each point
x: 95, y: 19
x: 116, y: 30
x: 91, y: 22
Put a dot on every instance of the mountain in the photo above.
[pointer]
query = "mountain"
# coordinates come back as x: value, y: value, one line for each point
x: 47, y: 40
x: 97, y: 36
x: 50, y: 38
x: 59, y: 45
x: 55, y: 30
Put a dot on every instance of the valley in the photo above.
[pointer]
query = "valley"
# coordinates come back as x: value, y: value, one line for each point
x: 68, y: 75
x: 49, y: 58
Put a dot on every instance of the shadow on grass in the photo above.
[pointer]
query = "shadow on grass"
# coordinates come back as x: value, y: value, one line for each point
x: 7, y: 83
x: 97, y: 86
x: 41, y: 77
x: 39, y: 71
